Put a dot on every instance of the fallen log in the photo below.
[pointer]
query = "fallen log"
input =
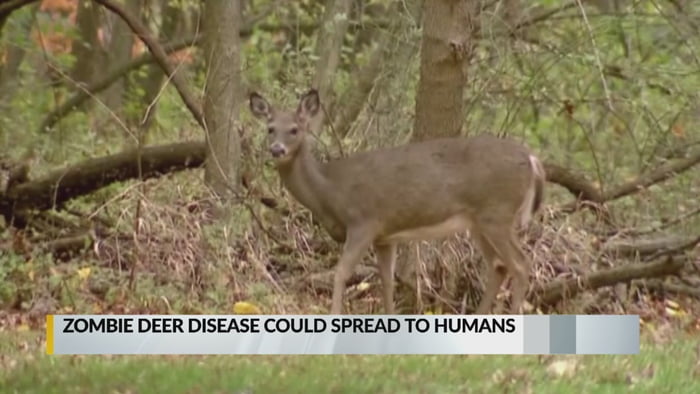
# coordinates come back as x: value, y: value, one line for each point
x: 90, y: 175
x: 674, y: 288
x: 645, y: 247
x: 559, y: 289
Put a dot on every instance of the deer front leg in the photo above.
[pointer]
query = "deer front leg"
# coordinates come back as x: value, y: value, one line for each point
x: 356, y: 244
x: 386, y: 259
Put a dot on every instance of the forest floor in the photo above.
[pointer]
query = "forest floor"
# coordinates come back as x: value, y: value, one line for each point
x: 669, y: 362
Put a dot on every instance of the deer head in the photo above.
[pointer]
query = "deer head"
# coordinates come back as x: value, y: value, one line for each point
x: 286, y: 129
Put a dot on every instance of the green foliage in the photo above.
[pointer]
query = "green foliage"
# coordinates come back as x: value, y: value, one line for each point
x: 15, y: 276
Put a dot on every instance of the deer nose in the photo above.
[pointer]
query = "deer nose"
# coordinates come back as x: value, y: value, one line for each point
x: 277, y: 150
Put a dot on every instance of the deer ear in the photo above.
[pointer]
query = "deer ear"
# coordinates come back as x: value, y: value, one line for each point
x: 309, y: 104
x: 259, y: 106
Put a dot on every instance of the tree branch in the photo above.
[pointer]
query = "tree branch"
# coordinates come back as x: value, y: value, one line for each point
x: 575, y: 184
x: 160, y: 56
x: 584, y: 190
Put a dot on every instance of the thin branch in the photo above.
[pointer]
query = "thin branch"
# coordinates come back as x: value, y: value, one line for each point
x: 596, y: 54
x: 545, y: 15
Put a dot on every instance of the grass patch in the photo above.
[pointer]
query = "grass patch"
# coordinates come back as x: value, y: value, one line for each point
x: 670, y: 368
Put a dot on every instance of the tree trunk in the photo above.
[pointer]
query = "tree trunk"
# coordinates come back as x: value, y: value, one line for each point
x: 120, y: 44
x: 445, y: 50
x: 86, y: 49
x: 222, y: 93
x: 14, y: 56
x: 330, y: 42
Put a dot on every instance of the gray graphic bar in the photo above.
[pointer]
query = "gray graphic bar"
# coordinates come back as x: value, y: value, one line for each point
x: 562, y: 334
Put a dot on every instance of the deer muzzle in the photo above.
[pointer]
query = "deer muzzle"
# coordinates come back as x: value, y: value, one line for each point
x: 278, y: 150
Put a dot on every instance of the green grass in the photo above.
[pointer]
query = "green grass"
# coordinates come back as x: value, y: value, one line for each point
x: 25, y: 369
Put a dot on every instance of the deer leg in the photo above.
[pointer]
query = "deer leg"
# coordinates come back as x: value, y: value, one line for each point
x: 521, y: 275
x: 495, y: 274
x: 356, y: 244
x: 386, y: 259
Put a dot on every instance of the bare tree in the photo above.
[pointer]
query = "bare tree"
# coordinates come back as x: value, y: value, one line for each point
x: 222, y: 21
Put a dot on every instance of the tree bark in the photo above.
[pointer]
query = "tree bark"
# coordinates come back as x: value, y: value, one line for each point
x: 222, y: 94
x: 447, y: 44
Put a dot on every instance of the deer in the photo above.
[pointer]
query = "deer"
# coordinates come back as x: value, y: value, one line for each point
x: 488, y: 185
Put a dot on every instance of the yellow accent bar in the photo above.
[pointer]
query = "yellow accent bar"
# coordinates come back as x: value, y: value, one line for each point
x: 49, y: 334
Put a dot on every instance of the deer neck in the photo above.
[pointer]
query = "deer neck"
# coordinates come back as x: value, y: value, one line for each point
x: 304, y: 178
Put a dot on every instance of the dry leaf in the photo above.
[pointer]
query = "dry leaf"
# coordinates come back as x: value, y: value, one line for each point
x: 246, y: 308
x: 678, y: 130
x: 84, y: 273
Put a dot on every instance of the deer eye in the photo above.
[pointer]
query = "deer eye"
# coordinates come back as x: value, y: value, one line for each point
x: 294, y: 131
x: 270, y: 130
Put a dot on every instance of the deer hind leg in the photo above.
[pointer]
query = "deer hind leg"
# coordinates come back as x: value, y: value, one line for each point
x: 506, y: 245
x: 500, y: 235
x: 521, y: 275
x: 495, y: 273
x: 356, y: 244
x: 386, y: 261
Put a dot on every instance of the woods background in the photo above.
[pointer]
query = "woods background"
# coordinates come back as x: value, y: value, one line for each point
x: 135, y: 180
